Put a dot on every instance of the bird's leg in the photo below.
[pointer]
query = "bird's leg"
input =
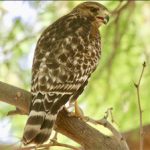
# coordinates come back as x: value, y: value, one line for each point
x: 78, y: 111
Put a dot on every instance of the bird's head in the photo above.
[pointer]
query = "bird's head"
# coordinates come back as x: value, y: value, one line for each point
x: 94, y: 10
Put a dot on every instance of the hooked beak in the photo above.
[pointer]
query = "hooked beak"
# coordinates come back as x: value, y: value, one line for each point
x: 104, y: 18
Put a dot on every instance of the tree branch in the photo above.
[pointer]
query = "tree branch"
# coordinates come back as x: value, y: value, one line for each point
x: 137, y: 86
x: 72, y: 127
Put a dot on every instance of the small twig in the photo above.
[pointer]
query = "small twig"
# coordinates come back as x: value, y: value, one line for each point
x: 53, y: 143
x: 119, y: 8
x: 109, y: 112
x: 137, y: 86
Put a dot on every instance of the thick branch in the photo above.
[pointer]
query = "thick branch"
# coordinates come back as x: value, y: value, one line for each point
x: 72, y: 127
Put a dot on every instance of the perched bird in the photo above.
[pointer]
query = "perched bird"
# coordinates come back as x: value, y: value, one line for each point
x: 66, y: 55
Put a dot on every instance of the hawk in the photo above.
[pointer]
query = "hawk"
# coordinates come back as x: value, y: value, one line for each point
x: 66, y: 55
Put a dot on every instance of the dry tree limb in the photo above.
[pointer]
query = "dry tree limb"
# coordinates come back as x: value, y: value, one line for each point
x: 137, y: 86
x: 72, y: 127
x: 47, y: 146
x: 109, y: 126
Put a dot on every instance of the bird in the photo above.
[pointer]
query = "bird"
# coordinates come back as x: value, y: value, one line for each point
x: 66, y: 54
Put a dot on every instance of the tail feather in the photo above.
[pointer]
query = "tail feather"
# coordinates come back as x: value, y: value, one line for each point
x: 33, y: 126
x: 42, y: 118
x: 45, y: 129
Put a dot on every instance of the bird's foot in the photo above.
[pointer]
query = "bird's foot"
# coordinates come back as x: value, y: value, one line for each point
x: 78, y: 112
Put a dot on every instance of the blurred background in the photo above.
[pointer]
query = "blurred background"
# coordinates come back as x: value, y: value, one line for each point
x: 125, y: 46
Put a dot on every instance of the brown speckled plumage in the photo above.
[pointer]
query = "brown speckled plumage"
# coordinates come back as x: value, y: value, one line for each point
x: 66, y: 54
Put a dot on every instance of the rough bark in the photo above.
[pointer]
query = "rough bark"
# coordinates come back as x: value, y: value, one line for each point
x: 88, y: 137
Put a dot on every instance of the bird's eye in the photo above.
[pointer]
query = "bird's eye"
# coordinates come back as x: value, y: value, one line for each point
x: 94, y: 10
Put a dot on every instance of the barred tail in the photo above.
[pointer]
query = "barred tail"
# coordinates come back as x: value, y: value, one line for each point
x: 42, y: 118
x: 38, y: 128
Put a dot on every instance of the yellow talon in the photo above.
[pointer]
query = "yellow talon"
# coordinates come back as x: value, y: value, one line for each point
x: 78, y: 111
